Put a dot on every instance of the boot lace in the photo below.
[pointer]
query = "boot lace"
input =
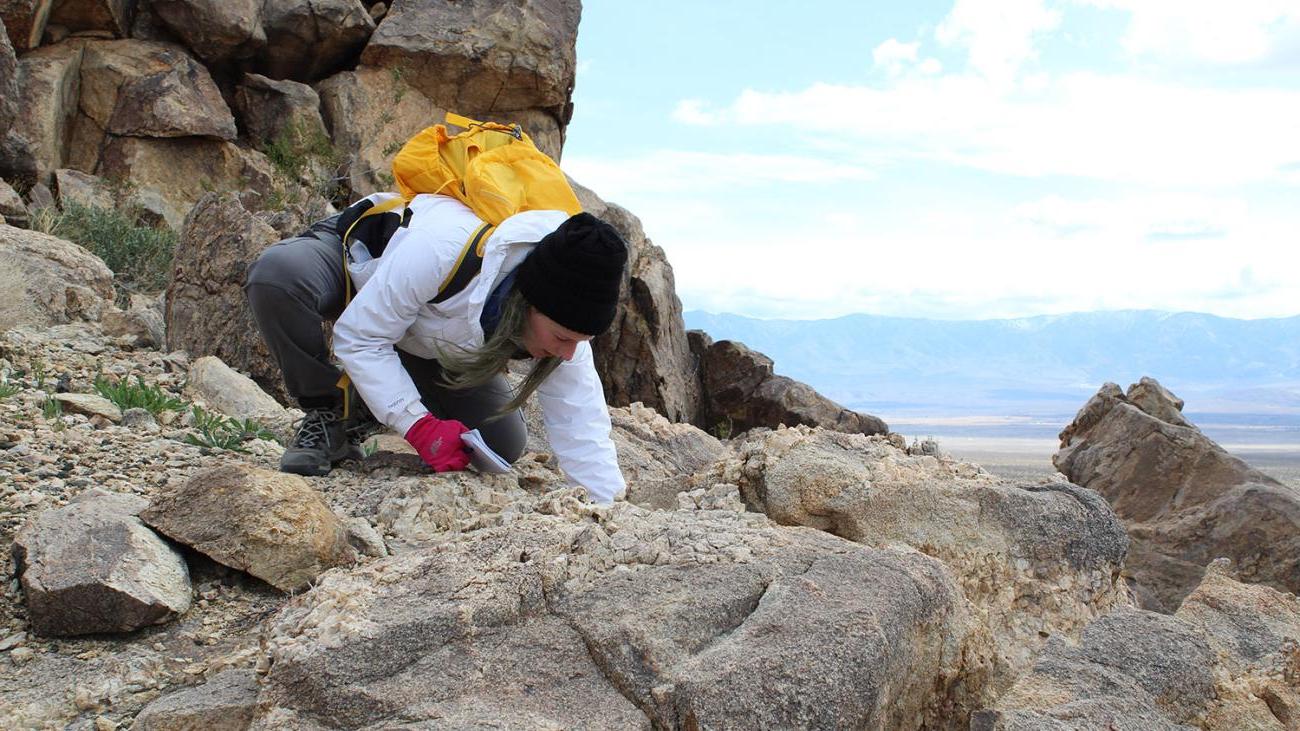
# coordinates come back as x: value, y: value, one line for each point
x: 313, y: 432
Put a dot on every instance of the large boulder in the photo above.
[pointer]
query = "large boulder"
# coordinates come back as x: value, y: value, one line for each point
x: 481, y: 57
x: 271, y: 524
x: 217, y: 31
x: 1228, y: 659
x: 1185, y: 500
x: 92, y: 566
x: 741, y: 390
x: 308, y: 40
x: 49, y: 81
x: 25, y: 20
x: 184, y: 169
x: 644, y: 355
x: 207, y: 313
x: 8, y: 83
x: 624, y: 619
x: 1032, y: 561
x: 269, y: 109
x: 113, y: 16
x: 371, y: 113
x: 229, y: 392
x: 63, y: 282
x: 148, y: 89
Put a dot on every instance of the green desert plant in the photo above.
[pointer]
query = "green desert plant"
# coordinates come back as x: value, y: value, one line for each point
x: 138, y: 395
x: 7, y: 387
x: 219, y: 432
x: 51, y: 408
x: 139, y: 255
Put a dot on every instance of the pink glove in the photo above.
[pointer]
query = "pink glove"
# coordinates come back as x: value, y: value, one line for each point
x: 438, y: 442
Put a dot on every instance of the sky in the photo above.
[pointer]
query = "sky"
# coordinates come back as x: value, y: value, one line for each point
x: 957, y: 160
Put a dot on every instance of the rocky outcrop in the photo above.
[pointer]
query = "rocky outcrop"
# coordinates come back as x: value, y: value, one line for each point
x: 269, y: 109
x: 644, y: 355
x: 63, y: 281
x: 308, y: 40
x: 482, y: 57
x: 1054, y: 547
x: 25, y: 20
x: 675, y: 619
x: 217, y: 31
x: 185, y: 169
x: 740, y: 391
x: 49, y: 81
x: 8, y: 83
x: 1229, y: 658
x: 110, y: 16
x: 371, y: 113
x: 82, y: 189
x: 147, y: 89
x: 92, y: 566
x: 270, y: 524
x: 1184, y: 499
x: 220, y: 238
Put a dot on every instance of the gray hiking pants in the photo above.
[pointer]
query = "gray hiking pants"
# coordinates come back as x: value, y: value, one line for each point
x: 296, y: 286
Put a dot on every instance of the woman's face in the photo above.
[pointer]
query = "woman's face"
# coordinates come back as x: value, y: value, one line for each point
x: 545, y: 337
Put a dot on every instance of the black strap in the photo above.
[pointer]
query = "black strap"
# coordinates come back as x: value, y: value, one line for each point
x: 471, y: 263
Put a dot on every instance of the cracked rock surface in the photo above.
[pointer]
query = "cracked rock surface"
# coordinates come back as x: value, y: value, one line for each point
x: 618, y: 618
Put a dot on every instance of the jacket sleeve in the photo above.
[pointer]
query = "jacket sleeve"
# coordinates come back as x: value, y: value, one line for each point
x: 578, y: 426
x: 375, y: 320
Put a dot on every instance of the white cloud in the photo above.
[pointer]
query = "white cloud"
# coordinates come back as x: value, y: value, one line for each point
x: 1211, y: 31
x: 930, y: 67
x: 999, y: 35
x: 692, y: 111
x: 682, y: 172
x: 1153, y: 217
x: 1113, y: 128
x: 892, y: 55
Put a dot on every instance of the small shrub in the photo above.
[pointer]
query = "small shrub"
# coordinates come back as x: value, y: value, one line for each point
x: 7, y: 387
x: 297, y: 146
x: 219, y: 432
x: 392, y: 147
x: 139, y: 255
x: 139, y: 395
x: 38, y: 374
x: 51, y: 408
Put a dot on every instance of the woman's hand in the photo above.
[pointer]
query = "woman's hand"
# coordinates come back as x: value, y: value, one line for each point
x: 438, y: 443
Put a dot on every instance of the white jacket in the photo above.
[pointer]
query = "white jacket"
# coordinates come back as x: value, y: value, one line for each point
x: 392, y: 308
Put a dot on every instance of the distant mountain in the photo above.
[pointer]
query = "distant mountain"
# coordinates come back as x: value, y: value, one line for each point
x: 1036, y: 365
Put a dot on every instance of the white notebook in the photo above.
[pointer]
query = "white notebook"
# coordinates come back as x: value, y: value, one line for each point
x: 482, y: 456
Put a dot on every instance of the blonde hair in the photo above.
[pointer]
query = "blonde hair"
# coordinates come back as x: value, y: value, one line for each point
x: 466, y: 368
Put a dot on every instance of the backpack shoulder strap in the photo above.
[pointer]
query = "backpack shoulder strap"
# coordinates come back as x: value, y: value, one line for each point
x: 468, y: 265
x: 347, y: 224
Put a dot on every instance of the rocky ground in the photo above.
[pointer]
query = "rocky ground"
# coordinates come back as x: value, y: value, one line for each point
x: 789, y: 578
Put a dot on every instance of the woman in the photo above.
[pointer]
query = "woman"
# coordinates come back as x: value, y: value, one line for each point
x: 428, y: 362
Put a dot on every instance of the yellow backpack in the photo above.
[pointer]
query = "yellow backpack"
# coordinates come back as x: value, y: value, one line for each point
x: 495, y: 169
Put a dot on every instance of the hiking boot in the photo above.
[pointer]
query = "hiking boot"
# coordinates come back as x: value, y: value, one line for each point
x: 321, y: 442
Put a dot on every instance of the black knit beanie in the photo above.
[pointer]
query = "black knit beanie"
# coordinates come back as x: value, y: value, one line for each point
x: 573, y: 274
